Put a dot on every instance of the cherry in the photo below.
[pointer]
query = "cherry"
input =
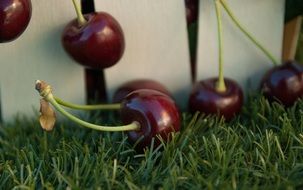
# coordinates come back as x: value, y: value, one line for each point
x: 14, y: 18
x: 133, y: 85
x: 205, y: 98
x: 284, y: 83
x: 156, y: 112
x: 217, y: 96
x: 191, y: 10
x: 95, y: 40
x: 147, y: 114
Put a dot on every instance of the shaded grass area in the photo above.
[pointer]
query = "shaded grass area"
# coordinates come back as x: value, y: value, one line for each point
x: 261, y: 148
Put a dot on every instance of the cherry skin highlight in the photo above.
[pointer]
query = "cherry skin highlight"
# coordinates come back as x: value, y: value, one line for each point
x: 284, y: 83
x: 98, y: 44
x: 14, y: 18
x: 205, y: 98
x: 156, y: 113
x: 133, y: 85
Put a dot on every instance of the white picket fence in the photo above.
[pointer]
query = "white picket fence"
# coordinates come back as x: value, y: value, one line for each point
x: 156, y: 47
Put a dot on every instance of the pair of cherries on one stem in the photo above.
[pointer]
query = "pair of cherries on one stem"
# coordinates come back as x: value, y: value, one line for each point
x: 283, y: 83
x: 147, y: 113
x: 14, y: 18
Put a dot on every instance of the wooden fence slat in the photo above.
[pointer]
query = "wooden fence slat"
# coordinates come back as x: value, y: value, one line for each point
x: 38, y: 54
x: 156, y: 44
x: 291, y: 35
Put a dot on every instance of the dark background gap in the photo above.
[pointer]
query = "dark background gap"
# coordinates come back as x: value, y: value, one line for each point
x: 94, y: 78
x: 293, y: 8
x: 0, y: 107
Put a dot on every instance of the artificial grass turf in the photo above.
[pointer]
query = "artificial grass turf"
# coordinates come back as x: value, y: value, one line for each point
x: 262, y: 148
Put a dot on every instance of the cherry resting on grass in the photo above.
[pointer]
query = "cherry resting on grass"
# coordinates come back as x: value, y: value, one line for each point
x: 206, y: 98
x: 146, y: 114
x: 14, y: 18
x: 95, y: 40
x: 137, y: 84
x: 217, y: 96
x: 284, y: 82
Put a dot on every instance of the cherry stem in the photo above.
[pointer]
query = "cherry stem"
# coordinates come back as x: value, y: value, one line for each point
x: 250, y: 36
x: 88, y: 107
x: 46, y: 92
x: 220, y: 86
x: 80, y: 17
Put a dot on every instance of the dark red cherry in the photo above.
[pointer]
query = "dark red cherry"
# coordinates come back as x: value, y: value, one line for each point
x: 137, y: 84
x: 284, y: 83
x: 156, y: 113
x: 98, y: 44
x: 14, y: 18
x: 192, y: 9
x: 205, y: 98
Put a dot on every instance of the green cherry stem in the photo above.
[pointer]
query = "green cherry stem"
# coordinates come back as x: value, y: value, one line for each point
x: 129, y: 127
x: 46, y: 92
x: 80, y: 17
x: 88, y: 107
x: 250, y: 36
x: 221, y: 87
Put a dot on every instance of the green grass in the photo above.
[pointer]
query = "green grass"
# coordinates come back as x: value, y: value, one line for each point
x: 260, y: 149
